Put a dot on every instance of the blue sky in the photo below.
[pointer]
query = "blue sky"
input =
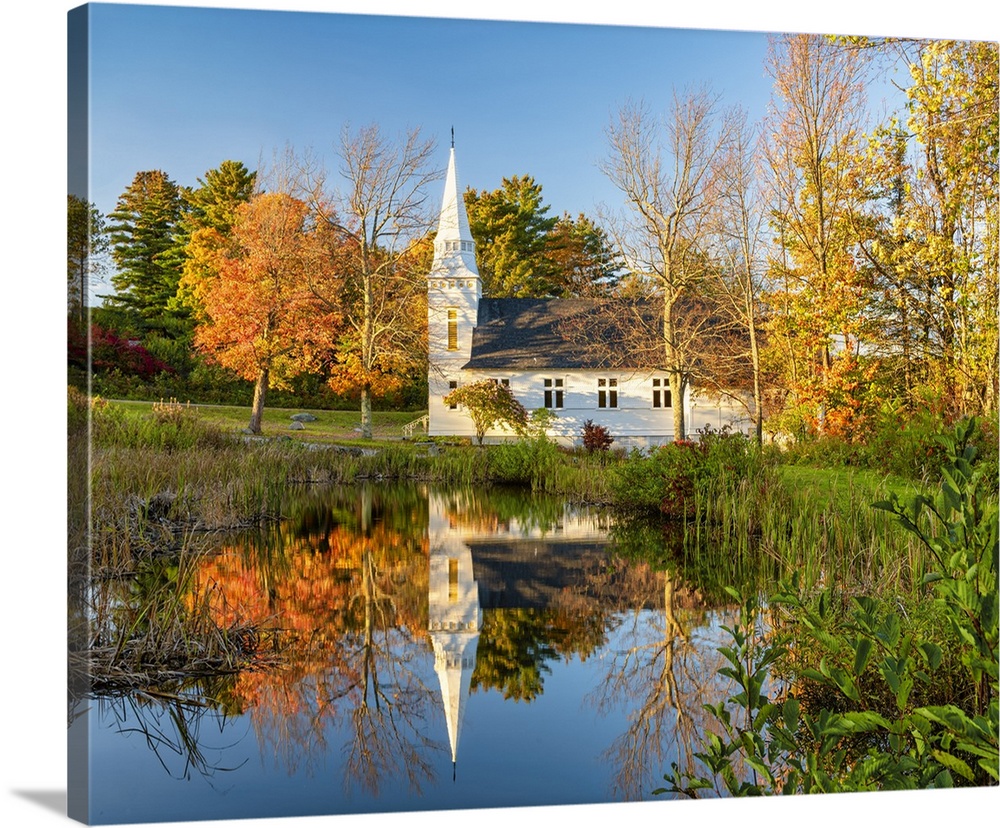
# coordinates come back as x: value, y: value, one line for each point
x: 33, y: 140
x: 183, y: 89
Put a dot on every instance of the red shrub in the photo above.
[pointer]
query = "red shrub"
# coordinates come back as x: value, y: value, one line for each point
x: 109, y: 351
x: 596, y: 437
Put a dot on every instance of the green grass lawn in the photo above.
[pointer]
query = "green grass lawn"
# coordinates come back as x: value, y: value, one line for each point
x: 846, y: 485
x: 329, y: 427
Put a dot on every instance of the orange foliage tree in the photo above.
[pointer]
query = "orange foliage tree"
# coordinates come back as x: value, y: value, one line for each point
x: 261, y: 319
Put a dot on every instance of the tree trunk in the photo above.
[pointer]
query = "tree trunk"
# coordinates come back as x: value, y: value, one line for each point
x: 366, y: 412
x: 259, y: 396
x: 677, y: 403
x: 675, y: 372
x: 758, y: 402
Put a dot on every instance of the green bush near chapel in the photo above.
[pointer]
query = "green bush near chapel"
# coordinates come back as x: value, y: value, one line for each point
x: 678, y: 479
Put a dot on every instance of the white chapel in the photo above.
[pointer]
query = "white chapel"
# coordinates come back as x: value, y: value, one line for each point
x: 518, y: 343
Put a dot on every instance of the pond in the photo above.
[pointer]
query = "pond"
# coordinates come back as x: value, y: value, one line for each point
x: 438, y: 650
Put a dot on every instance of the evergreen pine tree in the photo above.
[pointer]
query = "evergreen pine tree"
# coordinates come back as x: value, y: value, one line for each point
x: 143, y: 230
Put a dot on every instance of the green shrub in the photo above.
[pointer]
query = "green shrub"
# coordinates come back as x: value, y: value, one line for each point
x: 905, y: 444
x: 677, y: 479
x: 904, y: 733
x: 661, y: 481
x: 825, y: 452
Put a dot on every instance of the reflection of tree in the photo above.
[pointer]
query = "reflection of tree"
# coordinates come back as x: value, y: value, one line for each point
x: 386, y: 743
x: 498, y: 508
x: 346, y: 580
x: 670, y: 669
x: 659, y: 673
x: 515, y: 645
x: 171, y: 725
x: 513, y: 648
x: 703, y: 560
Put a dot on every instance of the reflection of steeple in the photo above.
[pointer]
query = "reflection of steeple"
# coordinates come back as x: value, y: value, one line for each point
x: 455, y: 620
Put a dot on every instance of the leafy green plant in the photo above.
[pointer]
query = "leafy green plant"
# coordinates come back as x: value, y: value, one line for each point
x: 489, y: 404
x: 959, y: 528
x: 771, y: 741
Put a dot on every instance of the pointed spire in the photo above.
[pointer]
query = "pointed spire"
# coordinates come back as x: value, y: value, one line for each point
x: 454, y: 248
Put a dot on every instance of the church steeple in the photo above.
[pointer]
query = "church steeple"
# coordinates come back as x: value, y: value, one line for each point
x: 454, y: 291
x: 454, y: 249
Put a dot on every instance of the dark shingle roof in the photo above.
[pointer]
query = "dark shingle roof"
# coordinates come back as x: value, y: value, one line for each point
x: 529, y: 334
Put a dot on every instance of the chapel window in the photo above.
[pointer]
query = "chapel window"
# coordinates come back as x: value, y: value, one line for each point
x: 452, y: 385
x: 452, y: 580
x: 553, y: 393
x: 452, y: 329
x: 661, y: 393
x: 607, y: 393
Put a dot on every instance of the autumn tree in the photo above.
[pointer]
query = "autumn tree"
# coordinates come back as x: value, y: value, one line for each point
x: 814, y: 144
x: 489, y: 403
x: 142, y: 231
x: 738, y: 245
x: 932, y: 241
x: 664, y: 171
x: 205, y: 226
x: 952, y: 213
x: 85, y: 242
x: 378, y: 224
x: 261, y: 318
x: 511, y: 227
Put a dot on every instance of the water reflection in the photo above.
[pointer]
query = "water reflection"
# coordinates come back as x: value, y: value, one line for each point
x: 455, y: 617
x: 405, y: 613
x: 344, y: 578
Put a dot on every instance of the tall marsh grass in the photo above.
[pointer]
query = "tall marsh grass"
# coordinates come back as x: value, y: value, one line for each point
x: 140, y: 625
x: 151, y: 474
x: 822, y: 525
x: 738, y: 503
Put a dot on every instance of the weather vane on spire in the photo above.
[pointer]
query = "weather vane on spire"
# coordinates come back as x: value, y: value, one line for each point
x: 453, y: 137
